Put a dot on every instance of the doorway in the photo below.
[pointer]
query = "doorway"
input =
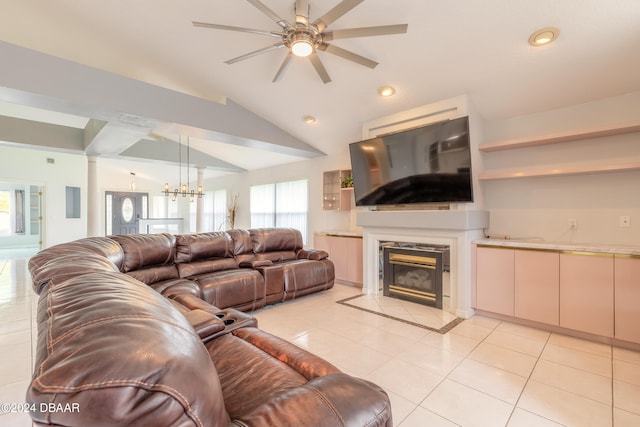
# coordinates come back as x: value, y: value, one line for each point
x: 21, y: 219
x: 123, y: 211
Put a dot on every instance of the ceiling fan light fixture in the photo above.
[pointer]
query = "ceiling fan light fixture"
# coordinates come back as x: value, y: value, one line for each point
x: 386, y: 91
x: 544, y: 36
x: 301, y: 45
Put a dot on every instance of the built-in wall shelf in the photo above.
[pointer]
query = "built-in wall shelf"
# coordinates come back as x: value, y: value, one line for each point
x: 555, y: 138
x: 335, y: 196
x: 574, y: 170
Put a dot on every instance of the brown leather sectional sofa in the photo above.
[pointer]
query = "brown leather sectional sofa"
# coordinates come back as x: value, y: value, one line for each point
x: 129, y: 334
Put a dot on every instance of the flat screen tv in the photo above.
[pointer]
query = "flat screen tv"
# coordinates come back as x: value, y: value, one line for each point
x: 429, y: 164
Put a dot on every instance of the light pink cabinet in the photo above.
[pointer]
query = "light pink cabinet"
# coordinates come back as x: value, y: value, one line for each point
x: 586, y: 293
x: 494, y: 280
x: 537, y: 286
x: 627, y: 298
x: 596, y: 293
x: 321, y: 242
x: 354, y: 268
x: 346, y: 254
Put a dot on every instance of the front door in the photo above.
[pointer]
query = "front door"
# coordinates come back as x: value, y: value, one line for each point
x: 126, y: 210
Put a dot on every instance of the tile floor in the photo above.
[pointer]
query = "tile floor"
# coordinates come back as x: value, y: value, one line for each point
x: 409, y: 312
x: 484, y: 372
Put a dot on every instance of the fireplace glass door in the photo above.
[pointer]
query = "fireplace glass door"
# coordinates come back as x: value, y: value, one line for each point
x: 413, y: 274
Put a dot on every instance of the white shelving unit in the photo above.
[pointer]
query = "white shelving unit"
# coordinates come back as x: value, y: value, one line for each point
x: 557, y: 138
x: 334, y: 196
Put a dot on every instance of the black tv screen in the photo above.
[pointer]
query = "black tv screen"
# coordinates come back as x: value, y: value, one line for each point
x: 429, y: 164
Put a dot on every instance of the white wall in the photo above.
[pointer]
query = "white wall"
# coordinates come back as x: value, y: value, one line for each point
x: 31, y: 167
x: 318, y: 219
x: 541, y: 207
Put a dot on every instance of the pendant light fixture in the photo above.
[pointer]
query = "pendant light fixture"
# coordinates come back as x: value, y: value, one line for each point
x: 183, y: 189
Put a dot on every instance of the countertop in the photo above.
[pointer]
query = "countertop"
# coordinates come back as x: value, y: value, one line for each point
x: 340, y: 233
x: 561, y: 246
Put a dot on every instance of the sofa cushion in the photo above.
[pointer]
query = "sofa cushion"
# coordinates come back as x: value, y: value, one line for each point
x: 275, y: 239
x: 173, y: 287
x: 67, y: 266
x: 197, y: 268
x: 242, y: 289
x: 121, y: 354
x: 287, y: 366
x: 242, y: 245
x: 154, y: 274
x: 193, y: 247
x: 102, y: 246
x: 302, y: 277
x: 142, y: 250
x: 276, y: 256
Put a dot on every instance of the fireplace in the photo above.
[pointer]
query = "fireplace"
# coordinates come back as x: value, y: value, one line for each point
x: 415, y: 272
x: 456, y: 229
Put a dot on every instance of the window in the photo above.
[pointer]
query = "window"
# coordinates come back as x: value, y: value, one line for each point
x: 218, y: 212
x: 12, y: 216
x: 283, y: 204
x: 5, y: 212
x: 213, y: 212
x: 159, y: 207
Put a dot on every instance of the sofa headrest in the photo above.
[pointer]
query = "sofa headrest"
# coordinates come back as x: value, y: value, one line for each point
x: 275, y: 239
x: 192, y: 247
x: 242, y: 243
x: 115, y: 352
x: 67, y: 266
x: 102, y: 246
x: 141, y: 250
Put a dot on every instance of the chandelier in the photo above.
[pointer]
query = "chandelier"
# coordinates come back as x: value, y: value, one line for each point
x: 184, y: 189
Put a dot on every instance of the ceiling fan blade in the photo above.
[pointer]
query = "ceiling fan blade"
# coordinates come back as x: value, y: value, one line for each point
x: 255, y: 52
x: 343, y: 53
x: 240, y: 29
x: 382, y: 30
x: 334, y: 14
x: 283, y: 68
x: 270, y: 13
x: 302, y: 12
x: 317, y: 64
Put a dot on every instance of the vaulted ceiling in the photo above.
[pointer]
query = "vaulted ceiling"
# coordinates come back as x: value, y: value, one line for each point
x: 121, y: 51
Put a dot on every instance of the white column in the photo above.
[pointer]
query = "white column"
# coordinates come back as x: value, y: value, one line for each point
x: 200, y: 204
x: 93, y: 201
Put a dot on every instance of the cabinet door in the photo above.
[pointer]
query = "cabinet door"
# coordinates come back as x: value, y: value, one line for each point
x: 586, y: 293
x: 331, y: 190
x: 495, y: 280
x: 537, y: 286
x: 321, y: 242
x: 339, y: 256
x: 354, y: 269
x: 627, y: 298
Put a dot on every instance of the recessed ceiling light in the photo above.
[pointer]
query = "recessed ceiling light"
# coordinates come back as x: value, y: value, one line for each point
x: 544, y: 36
x: 386, y: 91
x: 309, y: 119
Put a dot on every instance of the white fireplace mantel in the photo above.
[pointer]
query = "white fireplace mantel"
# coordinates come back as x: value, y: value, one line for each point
x: 457, y: 229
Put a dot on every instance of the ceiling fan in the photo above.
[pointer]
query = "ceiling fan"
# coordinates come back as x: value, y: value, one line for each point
x: 305, y: 38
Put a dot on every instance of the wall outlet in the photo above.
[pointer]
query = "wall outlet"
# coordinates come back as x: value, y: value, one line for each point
x: 573, y: 224
x: 625, y: 221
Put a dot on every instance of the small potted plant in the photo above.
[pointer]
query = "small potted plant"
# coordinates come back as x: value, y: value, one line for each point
x: 347, y: 182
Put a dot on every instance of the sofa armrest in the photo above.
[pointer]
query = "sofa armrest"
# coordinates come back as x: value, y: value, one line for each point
x: 312, y: 254
x: 256, y: 263
x: 205, y: 323
x: 332, y: 400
